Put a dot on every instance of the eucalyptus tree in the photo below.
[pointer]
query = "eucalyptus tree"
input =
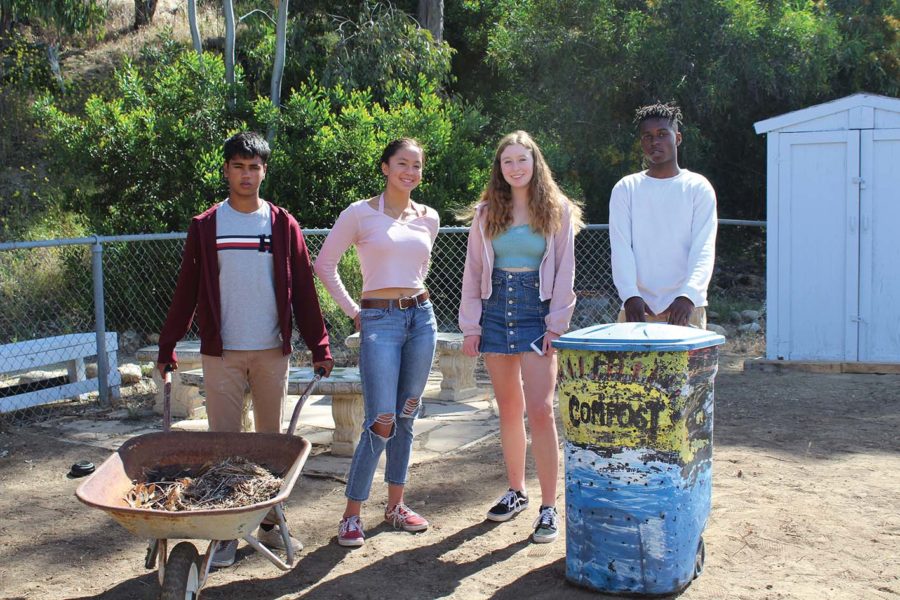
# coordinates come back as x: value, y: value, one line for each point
x: 431, y: 17
x: 228, y: 9
x: 278, y: 66
x: 194, y: 27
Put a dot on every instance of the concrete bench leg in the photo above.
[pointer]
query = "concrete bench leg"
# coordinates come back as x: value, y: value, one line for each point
x: 458, y: 375
x: 349, y: 415
x: 76, y: 372
x: 186, y: 399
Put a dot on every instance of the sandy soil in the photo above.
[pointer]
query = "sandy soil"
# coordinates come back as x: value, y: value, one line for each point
x: 806, y: 504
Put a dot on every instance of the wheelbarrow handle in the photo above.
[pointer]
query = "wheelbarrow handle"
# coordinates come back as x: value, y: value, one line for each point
x: 167, y: 397
x: 320, y: 373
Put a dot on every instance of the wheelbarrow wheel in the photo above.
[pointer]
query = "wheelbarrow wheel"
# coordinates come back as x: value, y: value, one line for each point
x: 182, y: 578
x: 700, y: 559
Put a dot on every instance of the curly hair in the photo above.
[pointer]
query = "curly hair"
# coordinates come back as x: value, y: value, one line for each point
x: 545, y: 202
x: 668, y: 111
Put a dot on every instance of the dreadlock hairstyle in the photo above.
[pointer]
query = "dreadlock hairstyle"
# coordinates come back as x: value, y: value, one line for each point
x: 668, y: 111
x: 545, y: 200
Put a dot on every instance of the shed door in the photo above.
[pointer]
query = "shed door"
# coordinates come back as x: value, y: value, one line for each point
x: 818, y: 241
x: 879, y: 293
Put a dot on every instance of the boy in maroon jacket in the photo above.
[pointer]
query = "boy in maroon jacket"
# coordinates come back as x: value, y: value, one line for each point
x: 245, y: 273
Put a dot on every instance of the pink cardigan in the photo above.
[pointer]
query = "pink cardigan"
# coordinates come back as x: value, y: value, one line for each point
x: 557, y: 276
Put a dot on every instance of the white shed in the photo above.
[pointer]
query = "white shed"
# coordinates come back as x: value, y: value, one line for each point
x: 833, y: 236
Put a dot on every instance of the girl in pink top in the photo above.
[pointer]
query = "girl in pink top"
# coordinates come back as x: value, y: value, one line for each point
x: 517, y: 297
x: 393, y: 236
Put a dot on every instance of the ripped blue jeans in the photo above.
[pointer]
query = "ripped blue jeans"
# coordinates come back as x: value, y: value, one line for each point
x: 395, y: 354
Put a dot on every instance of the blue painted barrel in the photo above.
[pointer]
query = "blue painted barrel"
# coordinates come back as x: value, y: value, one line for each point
x: 636, y: 401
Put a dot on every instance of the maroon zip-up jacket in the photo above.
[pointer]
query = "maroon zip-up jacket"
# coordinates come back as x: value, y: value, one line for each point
x: 197, y: 290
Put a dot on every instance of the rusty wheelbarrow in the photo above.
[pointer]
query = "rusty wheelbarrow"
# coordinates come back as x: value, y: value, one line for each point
x: 184, y: 571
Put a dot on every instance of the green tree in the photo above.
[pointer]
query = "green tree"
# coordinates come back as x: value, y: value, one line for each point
x: 575, y: 70
x: 149, y: 153
x: 326, y: 153
x: 869, y: 54
x: 372, y: 46
x: 54, y: 21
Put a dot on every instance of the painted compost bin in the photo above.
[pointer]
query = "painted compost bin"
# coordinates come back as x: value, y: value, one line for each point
x: 637, y: 410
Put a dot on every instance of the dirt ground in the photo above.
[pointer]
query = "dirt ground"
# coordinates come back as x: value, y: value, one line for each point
x: 806, y: 504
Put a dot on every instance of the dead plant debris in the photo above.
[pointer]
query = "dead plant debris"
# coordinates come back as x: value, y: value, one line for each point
x: 232, y: 483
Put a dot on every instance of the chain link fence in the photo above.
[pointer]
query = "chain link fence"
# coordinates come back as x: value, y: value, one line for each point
x: 51, y: 291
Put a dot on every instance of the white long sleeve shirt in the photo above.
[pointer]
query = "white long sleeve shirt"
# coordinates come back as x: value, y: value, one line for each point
x: 662, y: 234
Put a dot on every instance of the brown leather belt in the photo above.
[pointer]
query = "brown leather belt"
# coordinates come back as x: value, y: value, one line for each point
x: 401, y: 303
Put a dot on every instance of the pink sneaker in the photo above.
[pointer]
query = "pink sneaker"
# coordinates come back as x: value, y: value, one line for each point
x: 405, y: 518
x: 350, y: 533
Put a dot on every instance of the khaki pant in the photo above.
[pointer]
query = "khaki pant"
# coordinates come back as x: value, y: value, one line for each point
x: 226, y: 379
x: 698, y: 318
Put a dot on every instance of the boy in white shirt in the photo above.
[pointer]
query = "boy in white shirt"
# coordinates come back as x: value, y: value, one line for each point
x: 662, y: 229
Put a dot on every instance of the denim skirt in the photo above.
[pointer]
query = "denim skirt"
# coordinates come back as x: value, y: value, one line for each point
x: 513, y: 317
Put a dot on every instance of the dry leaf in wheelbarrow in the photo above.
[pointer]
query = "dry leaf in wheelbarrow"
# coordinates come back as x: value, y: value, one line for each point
x: 232, y: 483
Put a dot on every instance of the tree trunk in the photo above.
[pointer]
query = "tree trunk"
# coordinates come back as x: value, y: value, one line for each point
x: 53, y: 59
x: 431, y: 17
x: 143, y: 12
x: 195, y: 29
x: 228, y: 8
x: 278, y: 67
x: 5, y: 20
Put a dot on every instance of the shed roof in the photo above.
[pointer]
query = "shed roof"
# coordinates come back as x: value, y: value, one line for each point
x: 871, y: 102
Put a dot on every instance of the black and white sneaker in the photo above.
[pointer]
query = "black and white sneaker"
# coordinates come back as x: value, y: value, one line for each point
x: 546, y: 527
x: 512, y: 502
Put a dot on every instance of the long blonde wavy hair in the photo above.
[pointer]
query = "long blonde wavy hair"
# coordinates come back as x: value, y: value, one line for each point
x: 545, y: 200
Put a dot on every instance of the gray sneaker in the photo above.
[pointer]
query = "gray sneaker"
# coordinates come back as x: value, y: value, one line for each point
x: 223, y: 556
x: 272, y: 539
x: 546, y: 526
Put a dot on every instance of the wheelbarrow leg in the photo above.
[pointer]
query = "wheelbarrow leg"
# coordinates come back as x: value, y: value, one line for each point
x: 206, y: 563
x: 285, y: 534
x: 152, y: 553
x: 277, y: 512
x: 162, y: 549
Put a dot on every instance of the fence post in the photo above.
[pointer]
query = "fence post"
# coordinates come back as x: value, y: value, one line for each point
x: 100, y: 321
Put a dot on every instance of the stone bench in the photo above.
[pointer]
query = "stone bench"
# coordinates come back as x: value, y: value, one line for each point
x: 187, y: 403
x: 345, y: 389
x: 457, y: 369
x: 70, y: 350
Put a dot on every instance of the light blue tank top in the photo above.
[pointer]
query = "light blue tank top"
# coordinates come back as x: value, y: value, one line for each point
x: 519, y: 247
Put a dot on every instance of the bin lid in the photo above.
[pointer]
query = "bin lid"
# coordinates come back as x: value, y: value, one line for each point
x: 640, y: 337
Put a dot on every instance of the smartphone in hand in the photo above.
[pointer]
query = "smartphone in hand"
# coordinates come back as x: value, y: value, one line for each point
x: 538, y: 345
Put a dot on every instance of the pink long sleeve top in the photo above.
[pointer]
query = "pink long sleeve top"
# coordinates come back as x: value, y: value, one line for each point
x: 392, y: 253
x: 556, y: 273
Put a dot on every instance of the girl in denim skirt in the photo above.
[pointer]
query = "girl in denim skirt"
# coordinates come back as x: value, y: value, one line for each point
x: 517, y: 297
x: 393, y: 236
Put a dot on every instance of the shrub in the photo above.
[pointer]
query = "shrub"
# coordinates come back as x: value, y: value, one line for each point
x: 329, y: 140
x: 339, y: 324
x: 149, y: 153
